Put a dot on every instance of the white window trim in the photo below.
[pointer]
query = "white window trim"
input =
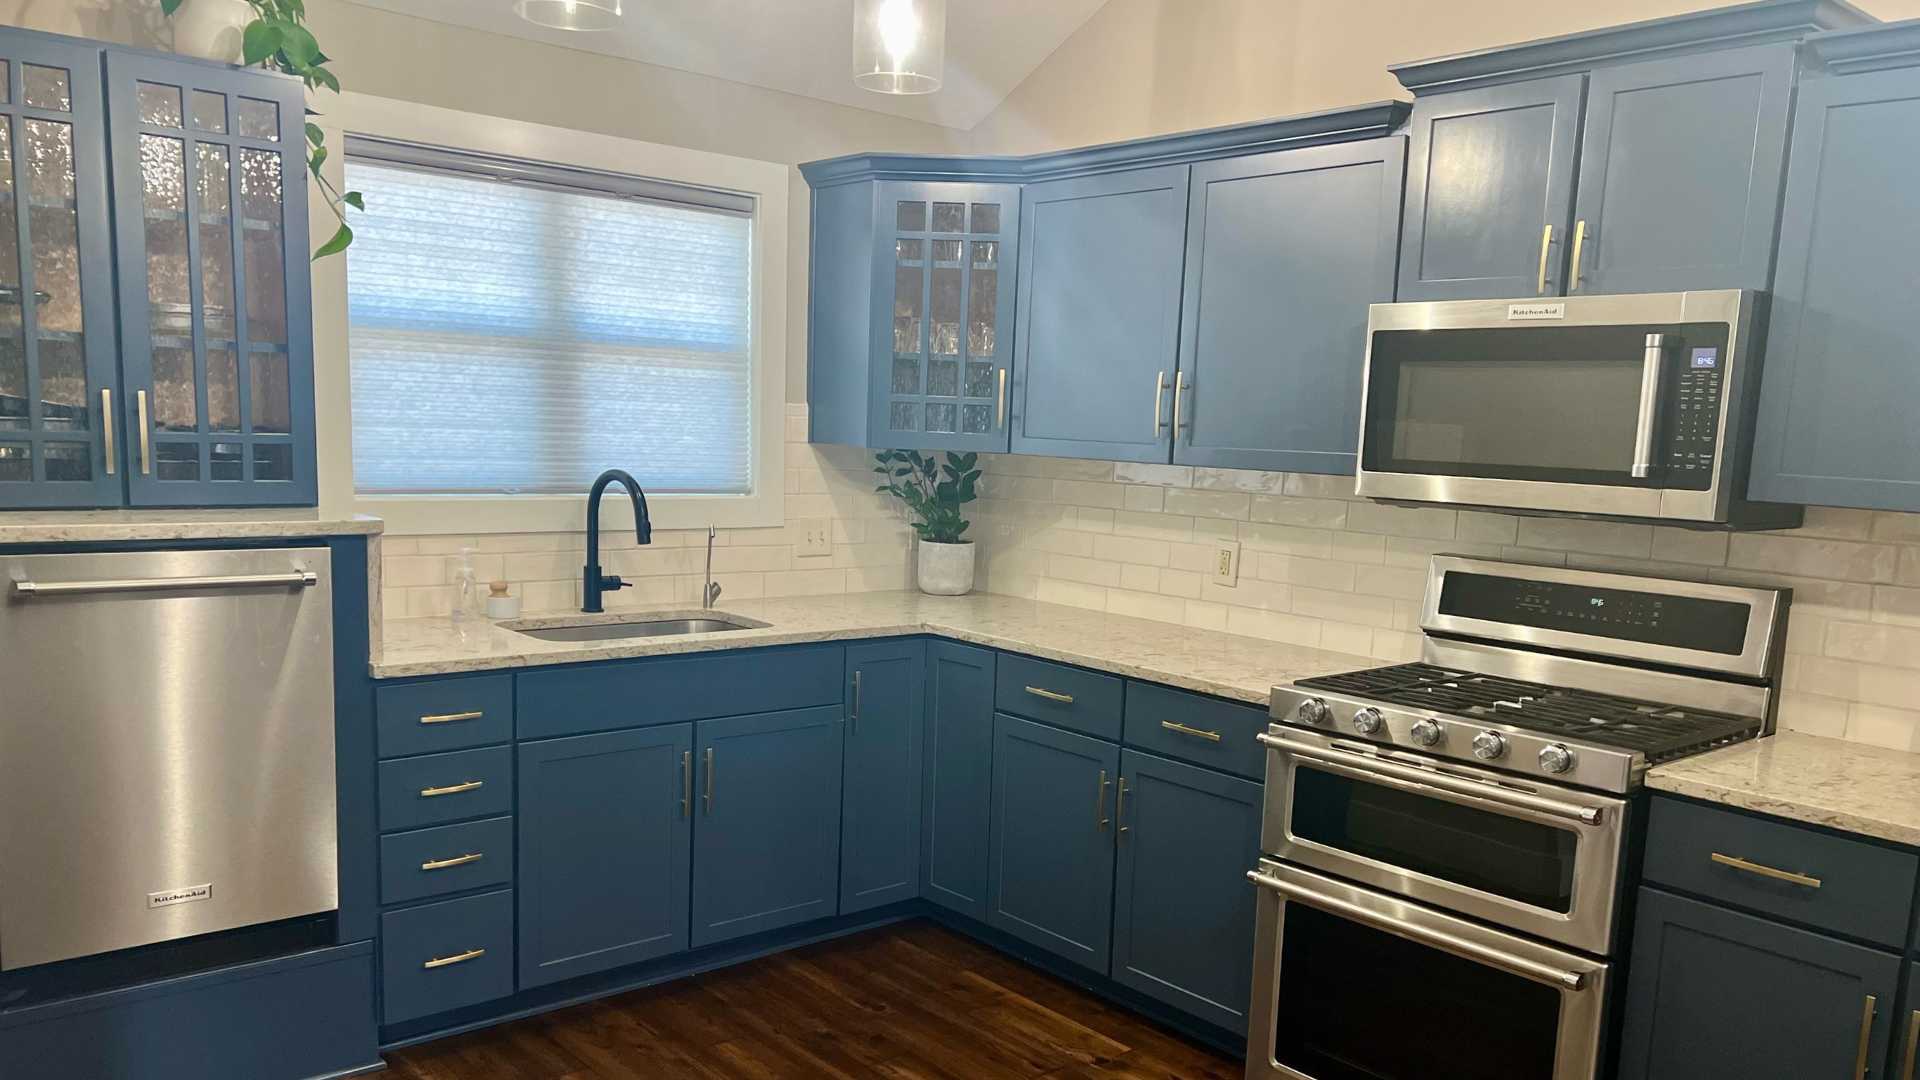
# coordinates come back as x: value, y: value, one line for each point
x: 362, y: 114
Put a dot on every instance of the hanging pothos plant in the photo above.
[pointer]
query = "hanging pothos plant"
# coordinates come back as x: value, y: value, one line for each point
x: 278, y: 39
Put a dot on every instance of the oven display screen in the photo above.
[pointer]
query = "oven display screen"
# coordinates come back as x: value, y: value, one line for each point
x: 1684, y: 622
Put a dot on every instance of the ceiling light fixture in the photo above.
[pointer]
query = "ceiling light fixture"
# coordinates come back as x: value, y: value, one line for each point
x: 899, y: 46
x: 570, y: 14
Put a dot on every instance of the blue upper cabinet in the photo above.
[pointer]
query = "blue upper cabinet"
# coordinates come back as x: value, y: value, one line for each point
x: 1839, y: 384
x: 209, y: 182
x: 1285, y: 251
x: 880, y: 803
x: 1099, y: 308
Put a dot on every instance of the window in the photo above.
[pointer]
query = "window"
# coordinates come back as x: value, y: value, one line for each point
x: 516, y: 328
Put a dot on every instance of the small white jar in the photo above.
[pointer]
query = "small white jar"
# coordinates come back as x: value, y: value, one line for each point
x: 945, y: 569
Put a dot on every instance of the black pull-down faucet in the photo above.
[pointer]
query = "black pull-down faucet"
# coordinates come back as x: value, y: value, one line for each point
x: 593, y: 582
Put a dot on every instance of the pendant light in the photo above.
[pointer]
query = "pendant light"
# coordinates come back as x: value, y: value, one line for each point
x: 899, y: 46
x: 570, y: 14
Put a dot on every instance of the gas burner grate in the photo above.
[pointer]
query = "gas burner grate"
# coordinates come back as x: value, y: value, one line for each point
x: 1659, y: 731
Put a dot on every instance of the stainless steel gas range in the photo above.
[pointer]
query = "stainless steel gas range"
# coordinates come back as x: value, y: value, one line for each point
x: 1446, y: 842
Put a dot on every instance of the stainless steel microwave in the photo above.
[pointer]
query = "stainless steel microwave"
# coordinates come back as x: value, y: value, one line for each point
x: 1637, y: 406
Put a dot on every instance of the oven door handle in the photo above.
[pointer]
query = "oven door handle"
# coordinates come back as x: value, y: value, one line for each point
x: 1408, y: 778
x: 1559, y: 978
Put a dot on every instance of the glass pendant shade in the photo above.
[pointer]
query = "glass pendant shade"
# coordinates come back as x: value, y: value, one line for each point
x: 899, y: 46
x: 570, y: 14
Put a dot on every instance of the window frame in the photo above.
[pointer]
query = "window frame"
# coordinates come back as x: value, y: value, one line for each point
x: 557, y: 152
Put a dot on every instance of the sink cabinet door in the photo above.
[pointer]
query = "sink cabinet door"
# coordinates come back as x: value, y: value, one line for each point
x: 880, y: 808
x: 958, y: 776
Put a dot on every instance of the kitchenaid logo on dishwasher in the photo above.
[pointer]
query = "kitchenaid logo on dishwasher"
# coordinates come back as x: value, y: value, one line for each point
x: 188, y: 895
x: 1536, y: 311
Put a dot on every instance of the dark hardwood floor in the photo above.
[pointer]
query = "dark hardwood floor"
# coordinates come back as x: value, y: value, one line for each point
x: 912, y: 1000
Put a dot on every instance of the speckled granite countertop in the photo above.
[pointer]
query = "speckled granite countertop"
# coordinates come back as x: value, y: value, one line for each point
x: 1843, y: 785
x: 87, y: 526
x: 1225, y: 665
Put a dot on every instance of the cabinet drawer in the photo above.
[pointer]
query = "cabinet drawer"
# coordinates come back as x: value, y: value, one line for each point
x: 447, y: 955
x: 1848, y: 886
x: 446, y: 859
x: 603, y: 697
x: 445, y: 714
x: 1067, y: 697
x: 1203, y: 730
x: 445, y: 787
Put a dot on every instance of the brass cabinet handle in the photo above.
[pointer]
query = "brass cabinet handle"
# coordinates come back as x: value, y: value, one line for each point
x: 686, y: 784
x: 1913, y: 1045
x: 853, y: 714
x: 1159, y: 393
x: 1180, y: 388
x: 448, y: 864
x: 1866, y: 1036
x: 146, y: 435
x: 1579, y: 242
x: 1210, y: 736
x: 451, y: 789
x: 452, y: 717
x: 1000, y: 410
x: 1100, y: 818
x: 106, y: 425
x: 1546, y: 242
x: 1787, y: 876
x: 1120, y: 808
x: 458, y: 958
x: 1051, y: 695
x: 707, y: 798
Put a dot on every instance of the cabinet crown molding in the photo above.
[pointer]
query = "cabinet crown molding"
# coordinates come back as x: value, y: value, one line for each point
x: 1868, y: 49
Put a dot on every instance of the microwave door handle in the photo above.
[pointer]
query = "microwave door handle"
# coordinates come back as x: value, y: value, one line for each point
x: 1652, y: 367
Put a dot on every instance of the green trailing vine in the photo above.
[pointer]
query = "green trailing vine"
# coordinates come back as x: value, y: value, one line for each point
x: 278, y: 39
x: 933, y: 491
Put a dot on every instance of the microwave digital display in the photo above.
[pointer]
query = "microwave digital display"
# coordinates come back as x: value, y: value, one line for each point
x: 1706, y: 358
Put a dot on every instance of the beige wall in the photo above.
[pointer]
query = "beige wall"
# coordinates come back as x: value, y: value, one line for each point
x: 1144, y: 67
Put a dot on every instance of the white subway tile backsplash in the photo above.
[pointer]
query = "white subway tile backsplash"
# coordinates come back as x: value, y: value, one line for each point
x: 1232, y: 505
x: 1815, y: 558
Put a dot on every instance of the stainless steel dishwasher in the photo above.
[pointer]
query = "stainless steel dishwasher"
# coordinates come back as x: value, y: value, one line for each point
x: 166, y: 747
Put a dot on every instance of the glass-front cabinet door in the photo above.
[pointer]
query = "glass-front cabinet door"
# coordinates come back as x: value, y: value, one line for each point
x: 944, y: 277
x: 57, y: 425
x: 209, y: 184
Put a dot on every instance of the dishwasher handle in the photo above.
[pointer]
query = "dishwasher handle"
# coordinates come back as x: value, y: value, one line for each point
x: 298, y: 579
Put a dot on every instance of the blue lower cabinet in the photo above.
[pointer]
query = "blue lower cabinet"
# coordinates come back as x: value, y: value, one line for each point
x: 605, y: 838
x: 1050, y: 876
x: 957, y: 777
x: 880, y: 806
x: 766, y: 837
x: 437, y: 788
x: 1183, y: 908
x: 446, y: 956
x: 446, y: 859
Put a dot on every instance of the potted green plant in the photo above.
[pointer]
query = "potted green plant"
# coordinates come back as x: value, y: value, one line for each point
x: 933, y: 493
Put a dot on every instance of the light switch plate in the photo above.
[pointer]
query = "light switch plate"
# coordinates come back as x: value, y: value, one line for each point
x: 816, y: 536
x: 1226, y: 564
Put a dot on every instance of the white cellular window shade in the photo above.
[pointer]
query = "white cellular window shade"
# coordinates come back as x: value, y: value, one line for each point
x: 517, y: 328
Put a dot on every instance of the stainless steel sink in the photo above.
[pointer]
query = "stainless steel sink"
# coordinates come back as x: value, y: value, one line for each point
x: 615, y: 631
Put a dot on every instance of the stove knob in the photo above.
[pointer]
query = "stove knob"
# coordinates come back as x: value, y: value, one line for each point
x: 1368, y: 721
x: 1489, y: 746
x: 1312, y: 711
x: 1556, y: 758
x: 1426, y: 732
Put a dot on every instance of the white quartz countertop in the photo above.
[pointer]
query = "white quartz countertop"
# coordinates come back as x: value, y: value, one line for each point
x: 1225, y: 665
x: 84, y: 526
x: 1850, y: 786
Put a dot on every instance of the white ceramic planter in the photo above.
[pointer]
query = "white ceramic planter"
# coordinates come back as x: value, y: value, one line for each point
x: 945, y: 569
x: 211, y: 29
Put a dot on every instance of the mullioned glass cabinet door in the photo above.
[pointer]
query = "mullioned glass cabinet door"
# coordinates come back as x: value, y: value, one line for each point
x: 209, y: 168
x: 57, y: 410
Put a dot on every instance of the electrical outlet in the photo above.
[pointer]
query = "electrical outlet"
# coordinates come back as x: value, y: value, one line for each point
x: 816, y: 536
x: 1226, y: 564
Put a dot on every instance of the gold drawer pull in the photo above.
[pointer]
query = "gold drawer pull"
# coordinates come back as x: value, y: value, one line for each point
x: 457, y: 860
x: 449, y: 961
x: 452, y: 717
x: 1787, y: 876
x: 1866, y: 1036
x: 1051, y: 695
x: 1210, y: 736
x: 1913, y: 1045
x: 450, y: 789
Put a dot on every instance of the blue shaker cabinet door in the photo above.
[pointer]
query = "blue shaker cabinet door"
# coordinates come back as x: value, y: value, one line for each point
x: 766, y: 835
x: 1183, y: 908
x: 604, y: 825
x: 880, y: 808
x: 1838, y: 388
x: 1050, y: 881
x: 59, y: 425
x: 957, y: 777
x: 1490, y: 191
x: 1680, y: 173
x: 1284, y: 253
x: 210, y: 196
x: 1099, y: 309
x: 943, y: 289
